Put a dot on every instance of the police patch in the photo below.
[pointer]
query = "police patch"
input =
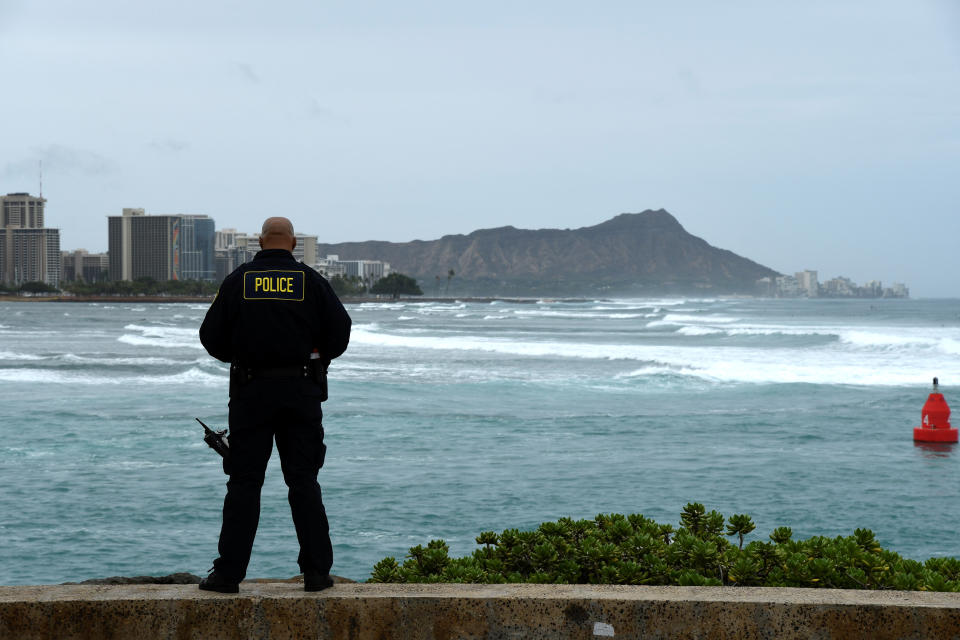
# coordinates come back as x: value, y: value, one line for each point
x: 273, y: 285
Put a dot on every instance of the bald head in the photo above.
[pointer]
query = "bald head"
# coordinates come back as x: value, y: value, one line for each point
x: 277, y: 233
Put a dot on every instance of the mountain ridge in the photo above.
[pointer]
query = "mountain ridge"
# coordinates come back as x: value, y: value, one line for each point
x: 631, y: 253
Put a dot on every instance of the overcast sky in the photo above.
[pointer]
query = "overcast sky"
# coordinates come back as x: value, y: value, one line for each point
x: 803, y: 135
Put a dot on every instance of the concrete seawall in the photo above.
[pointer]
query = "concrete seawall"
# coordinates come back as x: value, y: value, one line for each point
x: 361, y: 611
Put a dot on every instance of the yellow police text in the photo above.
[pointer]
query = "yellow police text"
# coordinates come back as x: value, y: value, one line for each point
x: 273, y: 284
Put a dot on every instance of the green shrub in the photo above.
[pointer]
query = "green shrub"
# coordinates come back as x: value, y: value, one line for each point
x: 618, y: 549
x: 396, y: 285
x: 348, y: 285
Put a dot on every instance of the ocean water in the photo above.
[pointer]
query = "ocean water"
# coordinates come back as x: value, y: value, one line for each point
x: 448, y: 419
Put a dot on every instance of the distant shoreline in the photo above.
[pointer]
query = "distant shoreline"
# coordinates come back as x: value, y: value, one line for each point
x: 106, y: 298
x: 344, y: 299
x: 407, y: 299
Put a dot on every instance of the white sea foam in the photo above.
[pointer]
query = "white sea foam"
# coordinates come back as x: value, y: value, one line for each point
x: 431, y: 309
x: 27, y: 453
x: 11, y: 355
x: 101, y: 360
x: 706, y: 330
x: 763, y: 366
x: 906, y: 339
x: 655, y: 302
x: 382, y: 305
x: 142, y: 341
x: 707, y: 318
x: 406, y: 318
x: 157, y: 336
x: 780, y: 331
x: 718, y: 364
x: 887, y: 341
x: 950, y: 345
x: 162, y: 331
x: 699, y: 331
x: 654, y: 370
x: 32, y: 333
x: 551, y: 313
x: 192, y: 376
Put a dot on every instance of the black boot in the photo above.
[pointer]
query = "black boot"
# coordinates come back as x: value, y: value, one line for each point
x: 316, y: 581
x: 216, y: 582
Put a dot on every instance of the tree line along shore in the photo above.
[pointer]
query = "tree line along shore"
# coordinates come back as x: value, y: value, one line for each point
x: 209, y: 298
x: 149, y: 289
x: 350, y: 289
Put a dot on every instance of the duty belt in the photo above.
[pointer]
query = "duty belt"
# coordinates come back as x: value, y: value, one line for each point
x: 292, y: 371
x: 315, y: 370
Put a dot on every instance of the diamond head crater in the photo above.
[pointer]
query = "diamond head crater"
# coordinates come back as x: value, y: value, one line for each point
x: 631, y: 254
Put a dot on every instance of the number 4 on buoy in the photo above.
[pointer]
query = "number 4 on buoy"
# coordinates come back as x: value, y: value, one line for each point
x: 935, y: 426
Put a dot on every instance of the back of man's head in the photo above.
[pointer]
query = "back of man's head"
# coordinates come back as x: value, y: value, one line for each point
x: 277, y: 233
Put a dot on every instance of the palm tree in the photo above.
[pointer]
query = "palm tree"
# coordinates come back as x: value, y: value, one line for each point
x: 450, y: 275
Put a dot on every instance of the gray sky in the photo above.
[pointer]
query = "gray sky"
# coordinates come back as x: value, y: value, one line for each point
x: 820, y: 135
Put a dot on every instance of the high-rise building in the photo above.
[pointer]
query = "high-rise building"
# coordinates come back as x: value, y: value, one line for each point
x: 306, y: 249
x: 162, y: 247
x: 22, y: 211
x: 330, y: 266
x: 225, y: 238
x: 233, y: 249
x: 366, y: 270
x: 897, y: 290
x: 873, y: 289
x: 197, y: 255
x: 29, y: 252
x: 82, y: 265
x: 807, y: 281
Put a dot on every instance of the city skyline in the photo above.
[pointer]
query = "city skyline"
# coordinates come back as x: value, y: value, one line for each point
x: 816, y: 135
x: 29, y: 249
x: 787, y: 272
x: 159, y: 251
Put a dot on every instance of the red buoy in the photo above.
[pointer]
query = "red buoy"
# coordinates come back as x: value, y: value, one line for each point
x: 936, y: 419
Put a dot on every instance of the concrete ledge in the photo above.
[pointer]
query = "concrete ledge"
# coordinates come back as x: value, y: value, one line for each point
x: 360, y: 611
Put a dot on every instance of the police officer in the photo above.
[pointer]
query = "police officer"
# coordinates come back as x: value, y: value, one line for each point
x: 278, y: 323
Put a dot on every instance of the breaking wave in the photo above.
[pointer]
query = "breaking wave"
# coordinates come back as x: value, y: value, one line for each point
x: 192, y: 376
x: 162, y: 336
x: 896, y: 363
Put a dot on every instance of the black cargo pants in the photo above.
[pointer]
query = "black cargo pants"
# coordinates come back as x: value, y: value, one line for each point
x: 261, y: 410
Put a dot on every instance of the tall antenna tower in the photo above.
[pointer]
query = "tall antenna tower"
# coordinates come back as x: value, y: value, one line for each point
x: 40, y: 172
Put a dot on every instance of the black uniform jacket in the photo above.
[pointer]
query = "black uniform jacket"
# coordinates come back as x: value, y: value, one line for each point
x: 274, y: 311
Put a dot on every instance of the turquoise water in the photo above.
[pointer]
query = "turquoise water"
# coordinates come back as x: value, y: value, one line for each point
x: 449, y: 419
